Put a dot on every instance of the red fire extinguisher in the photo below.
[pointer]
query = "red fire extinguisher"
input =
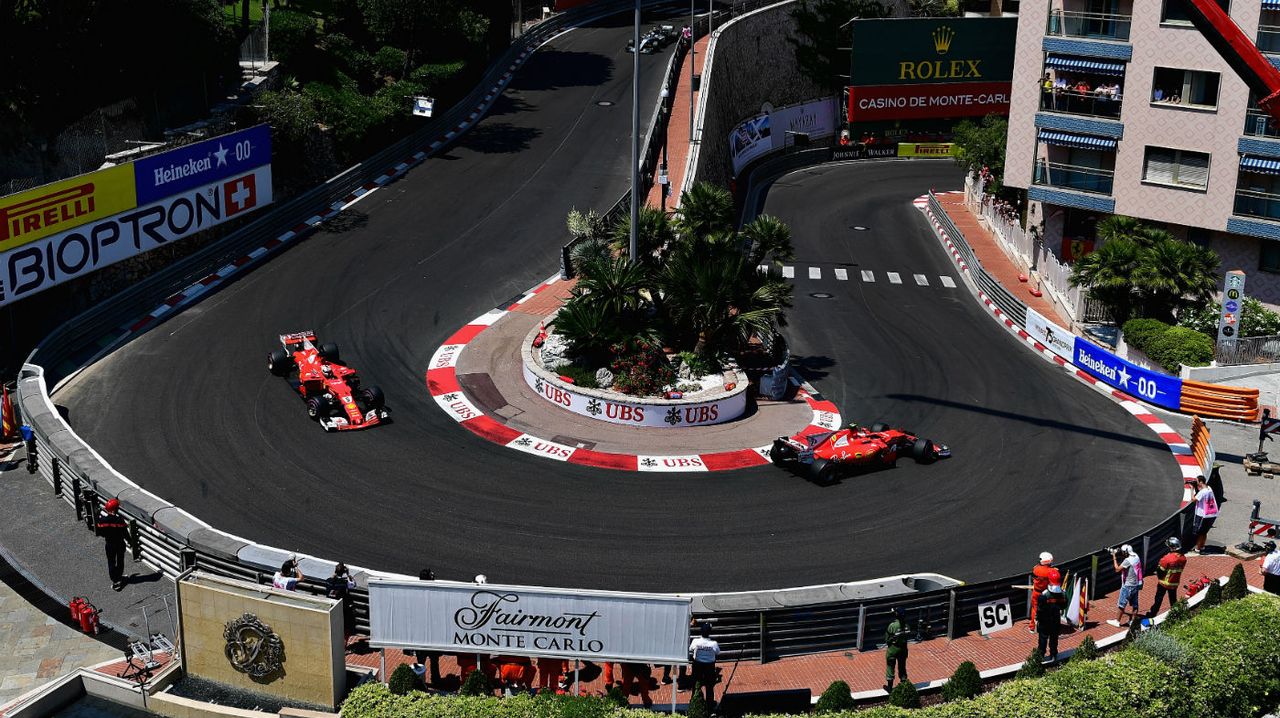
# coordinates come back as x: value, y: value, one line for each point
x: 88, y: 618
x: 77, y: 604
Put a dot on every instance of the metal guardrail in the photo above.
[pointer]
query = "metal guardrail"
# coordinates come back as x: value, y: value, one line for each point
x: 1249, y: 350
x: 172, y: 540
x: 1013, y: 307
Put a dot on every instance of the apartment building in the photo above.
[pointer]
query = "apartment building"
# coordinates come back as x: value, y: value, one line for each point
x: 1142, y: 117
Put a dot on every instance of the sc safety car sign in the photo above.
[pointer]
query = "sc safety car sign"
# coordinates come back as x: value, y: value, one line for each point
x: 1159, y: 389
x: 994, y: 616
x: 38, y: 265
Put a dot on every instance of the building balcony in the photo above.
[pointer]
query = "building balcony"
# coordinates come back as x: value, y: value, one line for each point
x: 1269, y: 29
x: 1073, y: 177
x: 1259, y: 124
x: 1257, y: 204
x: 1089, y: 25
x: 1081, y: 103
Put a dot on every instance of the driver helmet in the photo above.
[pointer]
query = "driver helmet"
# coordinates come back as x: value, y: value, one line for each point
x: 1173, y: 543
x: 326, y: 370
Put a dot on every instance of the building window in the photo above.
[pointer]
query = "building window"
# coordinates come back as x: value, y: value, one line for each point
x: 1200, y: 236
x: 1174, y: 13
x: 1179, y: 168
x: 1185, y: 87
x: 1269, y: 256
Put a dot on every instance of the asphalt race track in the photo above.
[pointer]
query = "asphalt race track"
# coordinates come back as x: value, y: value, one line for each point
x: 189, y: 411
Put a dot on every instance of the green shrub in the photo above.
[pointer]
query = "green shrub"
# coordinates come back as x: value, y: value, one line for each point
x: 402, y: 680
x: 837, y: 697
x: 701, y: 364
x: 904, y: 695
x: 437, y: 77
x: 1180, y: 346
x: 581, y: 376
x: 640, y: 368
x: 389, y: 60
x: 964, y: 683
x: 698, y: 707
x: 1212, y: 594
x: 477, y: 684
x: 1236, y: 587
x: 1087, y: 650
x: 1255, y: 319
x: 1140, y: 333
x: 293, y: 38
x: 1237, y: 651
x: 1178, y: 613
x: 1033, y: 667
x: 1164, y: 647
x: 615, y: 695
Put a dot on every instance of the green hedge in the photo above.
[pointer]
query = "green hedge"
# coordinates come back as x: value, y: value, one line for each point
x: 1170, y: 347
x: 1234, y: 650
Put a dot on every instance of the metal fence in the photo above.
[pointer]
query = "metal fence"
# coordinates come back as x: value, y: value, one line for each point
x: 1249, y: 350
x: 1014, y: 308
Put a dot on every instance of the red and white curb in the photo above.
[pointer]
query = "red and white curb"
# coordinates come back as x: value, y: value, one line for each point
x: 1178, y: 446
x: 442, y: 384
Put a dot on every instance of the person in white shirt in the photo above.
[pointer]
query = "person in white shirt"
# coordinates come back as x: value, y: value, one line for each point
x: 1129, y: 566
x: 704, y: 652
x: 1270, y: 569
x: 288, y: 576
x: 1206, y: 514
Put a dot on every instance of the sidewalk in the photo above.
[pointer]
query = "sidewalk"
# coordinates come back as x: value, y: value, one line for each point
x: 678, y: 129
x: 931, y: 660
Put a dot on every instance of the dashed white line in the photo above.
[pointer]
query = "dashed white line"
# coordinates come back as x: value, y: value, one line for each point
x: 868, y: 275
x: 921, y: 280
x: 948, y: 282
x: 815, y: 273
x: 842, y: 274
x: 894, y: 278
x: 789, y: 272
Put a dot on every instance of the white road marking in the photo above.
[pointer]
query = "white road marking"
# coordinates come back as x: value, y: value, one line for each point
x: 868, y: 276
x: 789, y: 272
x: 922, y: 280
x: 815, y: 273
x: 894, y: 278
x: 842, y: 274
x: 948, y: 282
x: 764, y: 269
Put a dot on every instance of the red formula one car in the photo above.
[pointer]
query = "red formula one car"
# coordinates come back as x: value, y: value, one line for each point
x: 828, y: 454
x: 331, y: 389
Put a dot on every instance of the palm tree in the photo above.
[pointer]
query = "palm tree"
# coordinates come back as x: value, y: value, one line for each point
x: 589, y: 330
x: 1175, y: 275
x: 770, y: 238
x: 1118, y: 226
x: 704, y: 209
x: 1109, y: 274
x: 655, y: 235
x: 614, y: 284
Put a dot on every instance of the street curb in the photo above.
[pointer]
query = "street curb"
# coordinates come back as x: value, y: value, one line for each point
x: 1178, y: 446
x: 442, y: 384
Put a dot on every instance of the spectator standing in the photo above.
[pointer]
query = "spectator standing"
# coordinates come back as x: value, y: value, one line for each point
x: 1270, y: 569
x: 704, y: 653
x: 1039, y: 582
x: 114, y: 531
x: 1206, y: 514
x: 895, y: 652
x: 1157, y: 95
x: 1129, y: 566
x: 431, y: 657
x: 287, y: 578
x: 1168, y: 575
x: 549, y: 672
x: 634, y: 674
x: 516, y: 672
x: 338, y: 587
x: 1050, y: 604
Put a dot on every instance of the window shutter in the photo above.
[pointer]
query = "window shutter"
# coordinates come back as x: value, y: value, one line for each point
x: 1159, y: 166
x: 1193, y: 169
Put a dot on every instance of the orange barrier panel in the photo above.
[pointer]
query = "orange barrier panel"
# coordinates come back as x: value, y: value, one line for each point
x: 1219, y: 401
x: 1218, y: 388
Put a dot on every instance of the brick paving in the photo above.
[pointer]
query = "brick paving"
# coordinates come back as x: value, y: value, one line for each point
x: 678, y: 129
x: 931, y: 660
x: 987, y: 249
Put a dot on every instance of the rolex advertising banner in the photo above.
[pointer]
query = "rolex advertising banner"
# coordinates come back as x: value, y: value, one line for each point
x: 528, y: 621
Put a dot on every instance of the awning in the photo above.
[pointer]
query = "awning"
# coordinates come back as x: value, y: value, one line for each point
x: 1082, y: 142
x: 1081, y: 64
x: 1271, y: 4
x: 1261, y: 165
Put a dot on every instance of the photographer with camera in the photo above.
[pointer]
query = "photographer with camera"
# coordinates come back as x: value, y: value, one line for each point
x: 1126, y: 563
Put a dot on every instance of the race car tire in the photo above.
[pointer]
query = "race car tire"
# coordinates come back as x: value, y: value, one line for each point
x: 780, y: 453
x: 329, y: 351
x: 373, y: 397
x: 318, y: 407
x: 823, y: 471
x: 922, y: 451
x: 879, y: 426
x: 279, y: 362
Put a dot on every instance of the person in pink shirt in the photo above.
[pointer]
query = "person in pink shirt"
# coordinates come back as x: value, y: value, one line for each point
x: 1206, y: 514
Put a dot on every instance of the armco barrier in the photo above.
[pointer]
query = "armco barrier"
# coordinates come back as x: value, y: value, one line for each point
x: 172, y: 540
x: 1010, y: 305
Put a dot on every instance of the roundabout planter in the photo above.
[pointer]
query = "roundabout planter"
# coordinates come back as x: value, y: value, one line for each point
x: 726, y: 402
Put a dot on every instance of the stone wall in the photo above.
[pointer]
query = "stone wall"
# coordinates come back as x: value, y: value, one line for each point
x: 752, y: 64
x: 309, y: 627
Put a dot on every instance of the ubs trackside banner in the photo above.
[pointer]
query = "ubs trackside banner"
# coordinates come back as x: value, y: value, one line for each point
x: 47, y: 262
x: 528, y: 621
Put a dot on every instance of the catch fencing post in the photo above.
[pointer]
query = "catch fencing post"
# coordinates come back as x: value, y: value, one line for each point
x: 56, y: 467
x: 1093, y: 578
x: 951, y: 615
x: 862, y: 621
x: 75, y: 495
x: 763, y: 640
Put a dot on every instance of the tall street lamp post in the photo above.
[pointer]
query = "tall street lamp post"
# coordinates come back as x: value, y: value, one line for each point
x: 635, y: 132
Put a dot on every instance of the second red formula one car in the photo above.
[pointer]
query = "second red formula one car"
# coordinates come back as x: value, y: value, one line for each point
x: 831, y: 453
x: 331, y: 389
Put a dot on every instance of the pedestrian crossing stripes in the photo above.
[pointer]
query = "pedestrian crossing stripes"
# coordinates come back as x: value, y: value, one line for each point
x: 866, y: 275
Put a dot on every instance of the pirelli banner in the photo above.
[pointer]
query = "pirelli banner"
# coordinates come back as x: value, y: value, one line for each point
x: 528, y: 621
x: 67, y: 229
x: 905, y: 69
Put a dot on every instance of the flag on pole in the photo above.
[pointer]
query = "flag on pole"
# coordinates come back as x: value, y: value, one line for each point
x: 8, y: 420
x: 423, y: 106
x: 1078, y: 606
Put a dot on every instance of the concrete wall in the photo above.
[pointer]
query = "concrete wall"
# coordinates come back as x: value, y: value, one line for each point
x: 752, y: 64
x: 310, y: 628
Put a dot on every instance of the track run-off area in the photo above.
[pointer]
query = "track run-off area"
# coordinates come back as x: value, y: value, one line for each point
x: 188, y: 411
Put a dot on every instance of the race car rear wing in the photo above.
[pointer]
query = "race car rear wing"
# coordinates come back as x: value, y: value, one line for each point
x: 297, y: 338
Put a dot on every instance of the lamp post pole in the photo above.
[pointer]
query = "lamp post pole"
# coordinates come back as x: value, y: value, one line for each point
x: 693, y: 41
x: 663, y: 179
x: 635, y: 133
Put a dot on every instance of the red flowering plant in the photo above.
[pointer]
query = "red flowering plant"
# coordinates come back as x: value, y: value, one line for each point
x: 640, y: 368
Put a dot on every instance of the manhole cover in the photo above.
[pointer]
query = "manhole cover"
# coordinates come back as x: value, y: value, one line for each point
x: 605, y: 103
x: 859, y: 228
x: 821, y: 295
